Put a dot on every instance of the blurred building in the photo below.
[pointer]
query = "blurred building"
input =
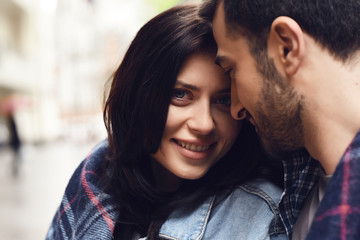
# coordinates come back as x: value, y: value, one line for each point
x: 55, y: 58
x: 58, y: 55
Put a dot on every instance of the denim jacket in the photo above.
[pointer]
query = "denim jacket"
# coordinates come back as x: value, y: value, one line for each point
x: 248, y: 212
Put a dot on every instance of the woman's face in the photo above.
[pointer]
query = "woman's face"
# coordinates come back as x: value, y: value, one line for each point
x: 199, y: 129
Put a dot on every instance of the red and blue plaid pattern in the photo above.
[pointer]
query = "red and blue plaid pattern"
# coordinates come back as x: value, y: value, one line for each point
x: 85, y: 211
x: 338, y: 216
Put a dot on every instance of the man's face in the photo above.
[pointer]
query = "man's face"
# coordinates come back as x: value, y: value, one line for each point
x: 257, y: 87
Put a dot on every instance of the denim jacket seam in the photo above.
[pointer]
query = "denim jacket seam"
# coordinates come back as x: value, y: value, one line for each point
x: 261, y: 193
x: 273, y: 206
x: 267, y: 236
x: 167, y: 236
x: 203, y: 219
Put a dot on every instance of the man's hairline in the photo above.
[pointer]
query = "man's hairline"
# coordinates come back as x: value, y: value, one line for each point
x: 232, y: 30
x: 235, y: 31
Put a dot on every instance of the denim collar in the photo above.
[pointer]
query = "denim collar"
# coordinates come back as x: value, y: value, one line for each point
x: 188, y: 225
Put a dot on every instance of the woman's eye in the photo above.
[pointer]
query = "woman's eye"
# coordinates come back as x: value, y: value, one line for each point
x: 181, y: 97
x: 178, y: 93
x: 225, y: 100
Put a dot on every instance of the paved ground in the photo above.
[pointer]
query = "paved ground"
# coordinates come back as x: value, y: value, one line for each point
x: 32, y: 184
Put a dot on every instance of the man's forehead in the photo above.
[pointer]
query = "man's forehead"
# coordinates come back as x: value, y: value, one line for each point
x: 219, y: 17
x: 222, y: 28
x: 219, y: 28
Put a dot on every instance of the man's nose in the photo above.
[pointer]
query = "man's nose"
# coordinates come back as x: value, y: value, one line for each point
x: 238, y: 111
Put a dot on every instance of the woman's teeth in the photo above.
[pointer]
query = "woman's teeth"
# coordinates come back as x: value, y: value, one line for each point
x: 193, y: 147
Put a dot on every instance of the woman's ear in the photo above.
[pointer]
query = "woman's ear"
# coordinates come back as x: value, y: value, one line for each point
x: 286, y: 44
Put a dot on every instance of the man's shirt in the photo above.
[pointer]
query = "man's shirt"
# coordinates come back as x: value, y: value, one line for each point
x: 310, y: 206
x: 301, y: 173
x: 338, y: 215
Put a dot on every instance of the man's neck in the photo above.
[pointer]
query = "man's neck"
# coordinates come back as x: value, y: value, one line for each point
x: 333, y: 116
x: 328, y: 144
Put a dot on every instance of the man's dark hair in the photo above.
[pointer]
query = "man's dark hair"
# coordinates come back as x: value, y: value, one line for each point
x: 332, y: 23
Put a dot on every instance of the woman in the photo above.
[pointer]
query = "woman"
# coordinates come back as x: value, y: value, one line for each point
x: 175, y: 161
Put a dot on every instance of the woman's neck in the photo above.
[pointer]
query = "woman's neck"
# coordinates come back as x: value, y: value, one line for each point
x: 164, y: 180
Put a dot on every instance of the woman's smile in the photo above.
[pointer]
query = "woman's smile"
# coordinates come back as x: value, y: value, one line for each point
x: 193, y: 151
x: 192, y: 146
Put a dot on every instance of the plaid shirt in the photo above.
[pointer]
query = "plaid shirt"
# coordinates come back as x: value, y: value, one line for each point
x: 301, y: 172
x: 338, y: 216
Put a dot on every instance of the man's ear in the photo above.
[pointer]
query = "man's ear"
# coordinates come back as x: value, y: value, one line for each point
x: 286, y: 44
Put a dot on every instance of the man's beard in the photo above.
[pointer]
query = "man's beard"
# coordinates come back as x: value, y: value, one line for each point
x: 278, y: 114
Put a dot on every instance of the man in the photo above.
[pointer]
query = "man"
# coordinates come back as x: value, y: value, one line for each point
x: 295, y: 74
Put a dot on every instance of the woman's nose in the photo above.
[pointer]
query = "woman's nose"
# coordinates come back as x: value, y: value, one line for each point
x: 202, y: 120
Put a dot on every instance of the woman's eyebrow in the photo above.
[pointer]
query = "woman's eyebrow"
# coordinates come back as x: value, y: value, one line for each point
x: 192, y: 87
x: 186, y: 85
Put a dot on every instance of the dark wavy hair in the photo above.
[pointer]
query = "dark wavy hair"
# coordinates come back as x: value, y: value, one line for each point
x: 135, y: 115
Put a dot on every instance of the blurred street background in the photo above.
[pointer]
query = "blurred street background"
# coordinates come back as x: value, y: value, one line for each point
x: 55, y: 59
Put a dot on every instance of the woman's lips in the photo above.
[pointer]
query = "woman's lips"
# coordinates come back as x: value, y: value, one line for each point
x: 192, y: 146
x: 192, y: 150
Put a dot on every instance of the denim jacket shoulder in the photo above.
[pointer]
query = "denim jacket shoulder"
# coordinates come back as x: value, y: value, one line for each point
x: 248, y: 212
